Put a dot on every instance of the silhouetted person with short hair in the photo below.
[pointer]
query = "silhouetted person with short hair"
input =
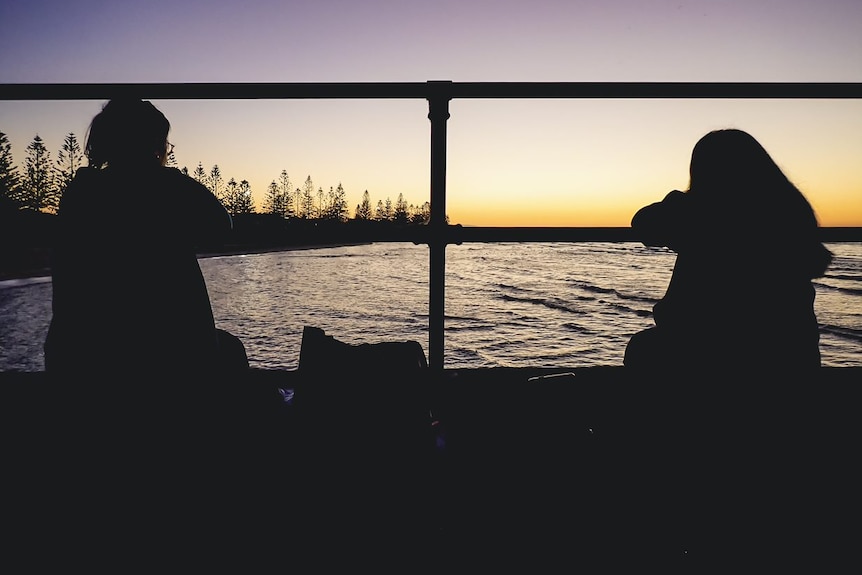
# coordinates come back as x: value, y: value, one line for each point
x: 129, y: 298
x: 747, y: 245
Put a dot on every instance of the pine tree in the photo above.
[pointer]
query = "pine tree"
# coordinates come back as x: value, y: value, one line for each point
x: 9, y: 179
x: 307, y: 204
x: 287, y: 200
x: 244, y: 199
x: 328, y: 205
x: 338, y: 204
x: 273, y: 202
x: 238, y: 198
x: 230, y: 197
x: 400, y: 215
x: 363, y: 210
x: 200, y: 174
x: 321, y: 204
x: 380, y: 212
x: 421, y: 214
x: 387, y: 210
x: 69, y: 159
x: 215, y: 183
x: 38, y: 189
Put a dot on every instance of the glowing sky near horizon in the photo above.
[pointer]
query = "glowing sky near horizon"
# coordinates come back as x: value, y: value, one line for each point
x: 552, y: 162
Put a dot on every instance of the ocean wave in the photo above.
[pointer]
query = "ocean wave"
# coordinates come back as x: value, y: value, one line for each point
x: 624, y: 309
x: 844, y: 277
x: 476, y: 327
x: 586, y: 286
x: 842, y: 332
x: 840, y: 289
x: 576, y: 328
x: 548, y: 303
x: 508, y: 287
x: 24, y: 282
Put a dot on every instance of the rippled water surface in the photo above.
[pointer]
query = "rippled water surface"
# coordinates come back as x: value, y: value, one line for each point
x: 540, y: 304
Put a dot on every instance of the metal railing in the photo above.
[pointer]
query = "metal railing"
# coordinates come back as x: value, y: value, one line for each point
x: 438, y: 234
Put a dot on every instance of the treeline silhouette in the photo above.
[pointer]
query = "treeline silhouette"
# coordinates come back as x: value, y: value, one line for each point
x: 41, y: 183
x: 289, y: 216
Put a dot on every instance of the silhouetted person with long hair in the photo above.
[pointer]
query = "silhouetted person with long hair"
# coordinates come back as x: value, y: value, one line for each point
x: 747, y: 246
x: 129, y: 298
x: 146, y: 391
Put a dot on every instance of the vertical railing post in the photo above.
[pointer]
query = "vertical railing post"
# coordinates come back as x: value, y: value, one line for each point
x: 438, y: 114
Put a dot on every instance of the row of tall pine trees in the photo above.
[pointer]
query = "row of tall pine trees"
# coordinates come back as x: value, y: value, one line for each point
x: 39, y: 183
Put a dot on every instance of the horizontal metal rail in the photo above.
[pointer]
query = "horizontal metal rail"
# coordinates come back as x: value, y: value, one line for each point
x: 595, y: 234
x: 431, y: 89
x: 438, y: 234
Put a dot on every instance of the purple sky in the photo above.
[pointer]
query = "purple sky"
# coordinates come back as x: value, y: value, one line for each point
x: 405, y: 40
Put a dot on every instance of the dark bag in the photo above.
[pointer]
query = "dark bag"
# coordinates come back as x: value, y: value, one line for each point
x: 366, y: 431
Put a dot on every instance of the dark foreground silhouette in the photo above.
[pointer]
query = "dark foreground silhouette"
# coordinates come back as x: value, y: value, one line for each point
x: 598, y: 469
x: 365, y: 456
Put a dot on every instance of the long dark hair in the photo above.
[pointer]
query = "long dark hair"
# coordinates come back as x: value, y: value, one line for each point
x: 732, y: 173
x: 127, y: 132
x: 731, y: 159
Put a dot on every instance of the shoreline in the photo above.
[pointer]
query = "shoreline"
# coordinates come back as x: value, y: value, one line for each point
x: 271, y: 249
x: 22, y: 273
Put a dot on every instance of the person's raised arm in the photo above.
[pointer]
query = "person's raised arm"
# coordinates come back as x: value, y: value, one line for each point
x: 665, y: 223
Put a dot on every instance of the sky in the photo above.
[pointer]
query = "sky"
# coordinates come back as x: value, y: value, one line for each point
x: 559, y: 162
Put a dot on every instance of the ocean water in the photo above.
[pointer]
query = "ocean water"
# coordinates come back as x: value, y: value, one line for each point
x: 564, y: 305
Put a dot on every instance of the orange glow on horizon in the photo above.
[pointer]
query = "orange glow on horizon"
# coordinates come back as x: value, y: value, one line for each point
x: 542, y: 216
x: 834, y: 207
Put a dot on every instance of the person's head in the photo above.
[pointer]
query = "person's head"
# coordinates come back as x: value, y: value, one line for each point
x: 732, y: 163
x: 733, y: 173
x: 128, y: 132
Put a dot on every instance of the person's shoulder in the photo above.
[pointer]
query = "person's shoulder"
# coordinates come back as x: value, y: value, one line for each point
x: 174, y: 174
x: 84, y: 171
x: 86, y: 178
x: 86, y: 174
x: 181, y: 181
